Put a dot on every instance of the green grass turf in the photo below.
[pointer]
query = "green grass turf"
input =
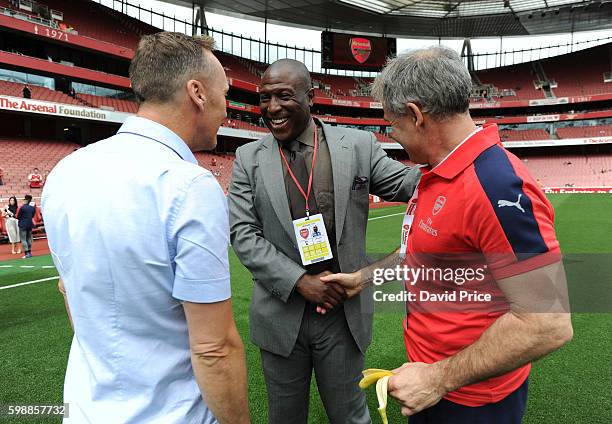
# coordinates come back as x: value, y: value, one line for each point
x: 571, y: 385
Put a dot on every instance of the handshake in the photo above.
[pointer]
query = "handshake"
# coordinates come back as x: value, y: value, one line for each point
x: 328, y: 290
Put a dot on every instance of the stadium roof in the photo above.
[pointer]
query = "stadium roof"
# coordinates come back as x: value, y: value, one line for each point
x: 424, y: 18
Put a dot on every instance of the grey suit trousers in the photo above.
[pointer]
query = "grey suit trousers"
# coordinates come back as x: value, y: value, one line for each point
x: 326, y: 345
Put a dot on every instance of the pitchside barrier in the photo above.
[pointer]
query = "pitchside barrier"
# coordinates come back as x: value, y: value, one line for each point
x: 568, y: 190
x: 376, y: 202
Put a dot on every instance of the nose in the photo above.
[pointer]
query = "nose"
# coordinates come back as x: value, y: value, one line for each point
x: 274, y: 105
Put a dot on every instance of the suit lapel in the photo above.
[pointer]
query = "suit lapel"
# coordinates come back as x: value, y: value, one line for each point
x: 340, y: 153
x: 274, y: 181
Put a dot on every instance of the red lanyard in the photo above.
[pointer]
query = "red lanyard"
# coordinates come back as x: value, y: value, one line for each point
x: 314, y: 156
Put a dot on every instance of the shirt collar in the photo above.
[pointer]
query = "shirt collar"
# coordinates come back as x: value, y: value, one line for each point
x: 466, y: 152
x: 152, y: 130
x: 307, y: 136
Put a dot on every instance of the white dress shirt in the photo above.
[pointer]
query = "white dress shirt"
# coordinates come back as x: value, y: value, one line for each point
x: 135, y: 226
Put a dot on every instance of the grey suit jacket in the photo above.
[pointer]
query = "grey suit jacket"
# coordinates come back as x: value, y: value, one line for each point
x: 262, y: 233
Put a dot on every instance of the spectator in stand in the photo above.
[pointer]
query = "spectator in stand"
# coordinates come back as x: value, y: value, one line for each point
x: 9, y: 213
x: 27, y: 93
x: 1, y: 177
x: 25, y: 216
x: 72, y: 93
x: 213, y: 162
x: 35, y: 179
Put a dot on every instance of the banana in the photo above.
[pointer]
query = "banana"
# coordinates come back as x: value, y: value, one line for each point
x: 371, y: 376
x: 381, y: 394
x: 381, y: 377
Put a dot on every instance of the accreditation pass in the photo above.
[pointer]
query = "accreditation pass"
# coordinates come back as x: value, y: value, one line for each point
x: 312, y: 239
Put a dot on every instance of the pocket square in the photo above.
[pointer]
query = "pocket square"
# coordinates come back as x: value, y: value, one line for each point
x: 360, y: 183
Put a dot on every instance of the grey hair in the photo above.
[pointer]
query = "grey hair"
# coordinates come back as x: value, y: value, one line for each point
x: 434, y: 78
x: 164, y: 61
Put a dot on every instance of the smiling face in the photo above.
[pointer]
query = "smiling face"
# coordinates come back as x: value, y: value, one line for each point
x: 285, y: 99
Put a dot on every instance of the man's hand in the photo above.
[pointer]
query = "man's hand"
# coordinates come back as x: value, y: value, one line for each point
x: 351, y: 282
x: 416, y: 386
x: 315, y: 291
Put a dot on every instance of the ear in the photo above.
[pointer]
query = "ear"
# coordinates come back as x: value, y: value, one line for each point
x: 195, y: 91
x: 417, y: 115
x: 310, y: 95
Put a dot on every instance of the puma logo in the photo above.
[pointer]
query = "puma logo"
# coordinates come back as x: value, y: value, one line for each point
x: 517, y: 204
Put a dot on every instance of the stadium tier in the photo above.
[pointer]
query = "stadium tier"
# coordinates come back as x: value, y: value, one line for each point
x: 239, y: 68
x: 523, y: 135
x: 538, y: 80
x: 581, y: 132
x: 45, y: 154
x: 18, y: 157
x: 512, y: 82
x: 571, y: 170
x: 92, y: 20
x: 220, y: 166
x: 14, y: 89
x: 109, y: 102
x: 550, y: 170
x: 593, y: 64
x: 242, y: 125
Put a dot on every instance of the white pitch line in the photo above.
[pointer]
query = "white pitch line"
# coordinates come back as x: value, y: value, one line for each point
x: 30, y: 282
x: 386, y: 216
x: 55, y: 278
x: 47, y: 266
x: 27, y: 266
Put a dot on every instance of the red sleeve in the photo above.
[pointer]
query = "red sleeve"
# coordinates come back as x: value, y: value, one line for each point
x: 514, y: 221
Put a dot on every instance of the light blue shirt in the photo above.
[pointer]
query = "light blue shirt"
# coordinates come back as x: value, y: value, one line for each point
x: 135, y: 226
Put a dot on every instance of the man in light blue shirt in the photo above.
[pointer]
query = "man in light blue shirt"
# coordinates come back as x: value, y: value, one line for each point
x: 145, y: 265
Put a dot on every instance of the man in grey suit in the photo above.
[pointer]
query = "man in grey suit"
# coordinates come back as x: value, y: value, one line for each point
x: 269, y: 190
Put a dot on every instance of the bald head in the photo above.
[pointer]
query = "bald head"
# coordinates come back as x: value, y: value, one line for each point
x: 291, y: 71
x: 285, y: 98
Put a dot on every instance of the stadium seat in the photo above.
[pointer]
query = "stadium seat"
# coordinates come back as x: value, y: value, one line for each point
x: 32, y: 153
x: 584, y: 132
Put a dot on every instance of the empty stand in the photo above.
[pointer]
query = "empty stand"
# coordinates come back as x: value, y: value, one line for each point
x: 523, y: 135
x: 219, y: 164
x: 18, y: 157
x: 580, y: 73
x: 239, y: 68
x: 571, y: 170
x: 93, y: 20
x: 518, y: 78
x: 121, y: 105
x: 243, y: 125
x: 14, y: 89
x: 584, y: 132
x: 337, y: 87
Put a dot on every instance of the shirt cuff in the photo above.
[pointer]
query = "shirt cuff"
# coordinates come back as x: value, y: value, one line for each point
x: 527, y: 265
x: 202, y: 291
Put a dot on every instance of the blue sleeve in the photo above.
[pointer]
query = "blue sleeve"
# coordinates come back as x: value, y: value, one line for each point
x: 201, y: 233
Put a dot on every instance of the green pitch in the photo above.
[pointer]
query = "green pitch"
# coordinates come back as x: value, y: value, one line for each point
x: 570, y: 386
